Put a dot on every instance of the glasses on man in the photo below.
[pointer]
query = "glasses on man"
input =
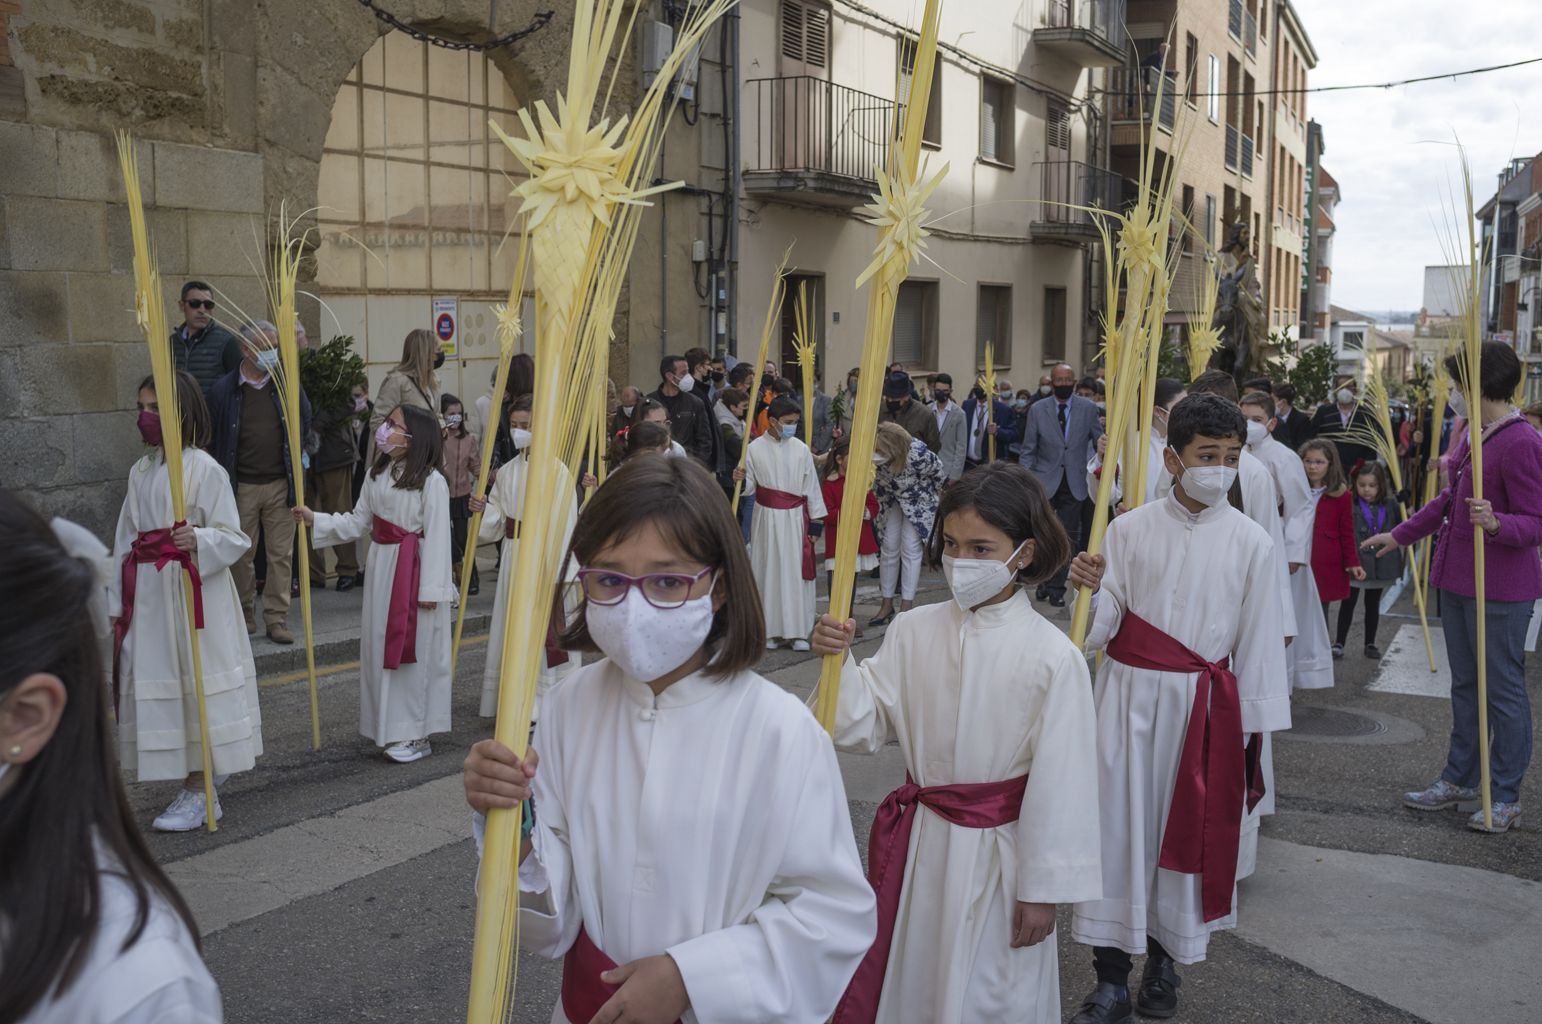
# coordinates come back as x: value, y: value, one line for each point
x: 663, y: 590
x: 200, y: 304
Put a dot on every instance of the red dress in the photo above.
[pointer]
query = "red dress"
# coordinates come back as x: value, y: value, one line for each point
x: 867, y: 544
x: 1333, y: 546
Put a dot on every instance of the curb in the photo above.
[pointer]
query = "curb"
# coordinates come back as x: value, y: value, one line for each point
x: 336, y: 651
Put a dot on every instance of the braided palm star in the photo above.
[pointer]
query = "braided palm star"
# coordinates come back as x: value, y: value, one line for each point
x: 509, y: 325
x: 569, y: 163
x: 1138, y: 241
x: 899, y: 214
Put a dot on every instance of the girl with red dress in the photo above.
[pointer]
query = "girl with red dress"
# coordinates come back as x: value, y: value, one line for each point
x: 1335, y: 558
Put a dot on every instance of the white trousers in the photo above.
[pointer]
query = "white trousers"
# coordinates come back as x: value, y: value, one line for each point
x: 901, y: 561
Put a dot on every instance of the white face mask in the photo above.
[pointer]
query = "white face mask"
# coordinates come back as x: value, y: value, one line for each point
x: 645, y: 642
x: 1345, y: 396
x: 626, y: 410
x: 1045, y: 389
x: 453, y: 420
x: 520, y: 437
x: 686, y: 383
x: 1256, y: 433
x: 1207, y: 484
x: 977, y: 580
x: 1458, y: 404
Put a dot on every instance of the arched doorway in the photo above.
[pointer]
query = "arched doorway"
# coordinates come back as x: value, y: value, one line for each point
x: 414, y: 204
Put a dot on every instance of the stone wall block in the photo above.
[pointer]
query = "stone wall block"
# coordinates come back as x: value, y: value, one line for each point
x: 64, y: 379
x: 203, y: 178
x: 106, y: 444
x: 237, y: 86
x: 131, y: 365
x: 168, y: 240
x: 56, y: 234
x: 38, y: 453
x: 289, y: 115
x: 223, y: 244
x: 94, y: 506
x: 88, y: 167
x: 101, y: 307
x: 33, y: 307
x: 29, y: 160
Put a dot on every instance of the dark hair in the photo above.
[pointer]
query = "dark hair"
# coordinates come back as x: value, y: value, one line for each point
x: 524, y: 403
x: 1286, y: 393
x: 1499, y: 372
x: 941, y: 378
x: 196, y: 286
x: 644, y: 407
x: 521, y: 377
x: 1167, y: 389
x: 1259, y: 400
x: 68, y: 802
x: 742, y: 376
x: 667, y: 365
x: 829, y: 464
x: 197, y: 424
x: 694, y: 357
x: 1215, y: 382
x: 731, y: 397
x: 1334, y: 480
x: 1204, y: 415
x: 1370, y: 467
x: 445, y: 401
x: 1258, y: 384
x: 1088, y: 383
x: 1011, y: 499
x: 782, y: 386
x: 783, y: 405
x: 645, y: 437
x: 690, y: 510
x: 425, y: 450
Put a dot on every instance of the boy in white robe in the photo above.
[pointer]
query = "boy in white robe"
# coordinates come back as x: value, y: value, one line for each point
x: 1187, y: 608
x: 780, y: 473
x: 981, y: 692
x: 158, y: 732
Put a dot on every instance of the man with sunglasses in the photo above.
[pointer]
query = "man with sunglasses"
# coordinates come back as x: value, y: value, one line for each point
x: 200, y: 345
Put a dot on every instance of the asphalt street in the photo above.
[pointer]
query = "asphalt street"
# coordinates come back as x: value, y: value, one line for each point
x: 339, y: 886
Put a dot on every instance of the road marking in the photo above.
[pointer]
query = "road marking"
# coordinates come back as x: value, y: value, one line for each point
x: 348, y: 666
x: 1405, y: 668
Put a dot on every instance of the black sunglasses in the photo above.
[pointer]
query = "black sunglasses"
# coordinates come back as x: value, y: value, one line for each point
x: 200, y: 304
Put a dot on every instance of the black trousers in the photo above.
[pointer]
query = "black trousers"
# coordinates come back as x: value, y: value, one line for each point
x: 1372, y: 614
x: 1112, y: 965
x: 1068, y: 509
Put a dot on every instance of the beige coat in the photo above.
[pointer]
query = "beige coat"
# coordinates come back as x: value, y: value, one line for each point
x: 399, y: 389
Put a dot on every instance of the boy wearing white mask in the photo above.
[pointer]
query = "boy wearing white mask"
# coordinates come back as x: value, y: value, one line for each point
x: 1187, y: 610
x: 779, y: 471
x: 994, y: 827
x: 502, y: 510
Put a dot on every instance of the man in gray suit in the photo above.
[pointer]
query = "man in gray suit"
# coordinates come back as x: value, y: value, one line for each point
x: 1058, y: 441
x: 950, y: 427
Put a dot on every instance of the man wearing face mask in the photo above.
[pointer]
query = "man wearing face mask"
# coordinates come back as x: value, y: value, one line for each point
x: 690, y: 422
x: 1292, y: 427
x: 250, y: 442
x: 1344, y: 415
x: 1058, y: 440
x: 626, y: 406
x: 900, y: 406
x: 951, y: 427
x: 1046, y: 388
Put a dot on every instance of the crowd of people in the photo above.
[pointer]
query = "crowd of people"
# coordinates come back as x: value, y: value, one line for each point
x: 1132, y: 797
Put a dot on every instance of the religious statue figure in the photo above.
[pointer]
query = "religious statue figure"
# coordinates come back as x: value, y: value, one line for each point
x: 1239, y: 311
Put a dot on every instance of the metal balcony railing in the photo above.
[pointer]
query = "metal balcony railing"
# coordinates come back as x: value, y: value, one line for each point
x: 1247, y: 156
x: 1234, y: 20
x: 806, y: 124
x: 1101, y: 17
x: 1132, y: 94
x: 1067, y: 184
x: 1233, y: 144
x: 1250, y: 33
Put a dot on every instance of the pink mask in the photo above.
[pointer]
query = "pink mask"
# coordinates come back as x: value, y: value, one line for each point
x: 383, y: 440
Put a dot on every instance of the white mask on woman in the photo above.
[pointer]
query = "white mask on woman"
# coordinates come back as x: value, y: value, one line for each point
x: 976, y: 580
x: 520, y: 437
x: 1458, y: 404
x: 645, y: 642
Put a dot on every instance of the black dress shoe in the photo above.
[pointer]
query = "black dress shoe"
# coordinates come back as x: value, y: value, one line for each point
x: 318, y: 583
x: 345, y: 584
x: 475, y: 588
x: 1158, y: 995
x: 1040, y: 594
x: 358, y: 578
x: 1057, y: 602
x: 1106, y: 1004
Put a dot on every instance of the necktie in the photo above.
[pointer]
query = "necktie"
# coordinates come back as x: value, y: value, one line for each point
x: 1061, y: 409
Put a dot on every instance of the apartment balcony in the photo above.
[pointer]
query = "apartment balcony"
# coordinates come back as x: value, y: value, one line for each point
x: 807, y: 140
x: 1234, y: 19
x: 1248, y: 151
x: 1088, y: 33
x: 1250, y: 33
x: 1240, y: 151
x: 1132, y: 102
x: 1067, y: 188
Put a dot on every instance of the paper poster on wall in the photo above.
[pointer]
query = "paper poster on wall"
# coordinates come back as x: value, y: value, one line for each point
x: 446, y: 320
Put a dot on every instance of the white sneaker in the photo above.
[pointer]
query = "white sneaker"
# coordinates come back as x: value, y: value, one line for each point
x: 408, y: 751
x: 186, y: 813
x: 773, y: 644
x: 800, y: 645
x: 454, y: 602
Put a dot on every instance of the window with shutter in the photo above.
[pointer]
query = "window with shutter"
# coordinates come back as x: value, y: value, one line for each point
x: 931, y: 132
x: 1057, y: 132
x: 997, y: 113
x: 1054, y: 323
x: 805, y: 38
x: 816, y: 36
x: 993, y: 323
x: 909, y: 324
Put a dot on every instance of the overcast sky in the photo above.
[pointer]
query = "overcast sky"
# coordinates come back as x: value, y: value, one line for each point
x: 1388, y: 148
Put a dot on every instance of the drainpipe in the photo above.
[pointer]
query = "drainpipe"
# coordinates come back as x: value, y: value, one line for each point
x: 729, y: 273
x: 663, y: 249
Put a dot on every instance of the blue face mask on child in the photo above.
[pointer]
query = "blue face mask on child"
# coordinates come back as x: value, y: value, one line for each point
x: 789, y: 431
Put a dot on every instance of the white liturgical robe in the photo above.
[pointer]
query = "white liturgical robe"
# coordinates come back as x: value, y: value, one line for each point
x: 158, y: 734
x: 776, y: 535
x: 973, y: 697
x: 708, y: 822
x: 1208, y: 581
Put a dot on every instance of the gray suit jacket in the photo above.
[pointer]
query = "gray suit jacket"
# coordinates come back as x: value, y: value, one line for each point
x: 955, y: 440
x: 1052, y: 456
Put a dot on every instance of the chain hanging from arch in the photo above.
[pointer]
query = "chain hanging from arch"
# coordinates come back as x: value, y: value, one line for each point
x: 536, y: 24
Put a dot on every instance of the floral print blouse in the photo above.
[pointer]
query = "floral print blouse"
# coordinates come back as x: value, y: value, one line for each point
x: 917, y: 490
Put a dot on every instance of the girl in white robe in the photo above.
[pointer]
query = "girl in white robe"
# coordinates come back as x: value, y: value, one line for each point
x: 404, y: 656
x: 1206, y: 579
x: 691, y: 824
x: 980, y: 689
x: 781, y: 550
x: 504, y: 505
x: 158, y: 732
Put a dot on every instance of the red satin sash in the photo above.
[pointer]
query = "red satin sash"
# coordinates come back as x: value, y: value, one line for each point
x: 1204, y: 822
x: 555, y: 655
x: 583, y: 993
x: 782, y: 501
x: 401, y: 641
x: 153, y: 547
x: 968, y: 805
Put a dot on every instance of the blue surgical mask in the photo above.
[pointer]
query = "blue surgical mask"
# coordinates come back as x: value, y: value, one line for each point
x: 267, y: 360
x: 789, y: 430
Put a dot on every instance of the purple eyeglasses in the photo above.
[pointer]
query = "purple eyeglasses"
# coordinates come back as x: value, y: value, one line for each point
x: 663, y: 590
